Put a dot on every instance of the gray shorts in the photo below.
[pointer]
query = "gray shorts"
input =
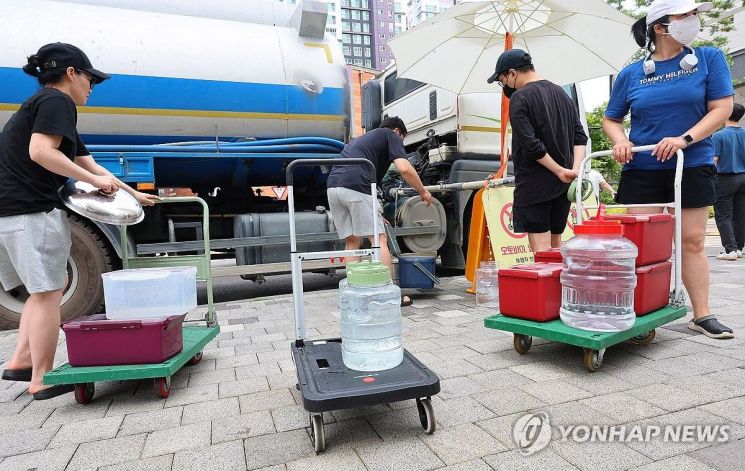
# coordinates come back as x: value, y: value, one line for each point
x: 33, y: 251
x: 352, y: 212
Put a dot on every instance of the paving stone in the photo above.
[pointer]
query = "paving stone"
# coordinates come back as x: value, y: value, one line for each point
x: 26, y: 441
x: 268, y: 450
x: 555, y: 392
x: 599, y: 456
x: 508, y: 401
x: 501, y: 428
x: 495, y: 361
x: 158, y: 463
x: 677, y: 462
x: 622, y: 407
x: 707, y: 387
x: 731, y: 409
x: 498, y: 379
x: 290, y: 418
x: 73, y: 413
x: 346, y: 460
x: 192, y: 395
x: 668, y: 397
x: 92, y: 455
x: 210, y: 410
x: 236, y: 360
x: 409, y: 454
x: 352, y: 433
x: 475, y: 465
x: 86, y: 431
x: 459, y: 411
x: 541, y: 371
x: 600, y: 382
x: 462, y: 443
x: 287, y: 379
x: 638, y: 375
x: 727, y: 456
x: 177, y: 439
x: 212, y: 377
x: 150, y: 421
x: 574, y: 413
x: 242, y: 426
x: 515, y: 461
x: 124, y: 404
x: 243, y: 386
x: 47, y: 460
x: 224, y: 456
x: 253, y: 348
x: 266, y: 400
x: 259, y: 370
x: 459, y: 387
x: 449, y: 368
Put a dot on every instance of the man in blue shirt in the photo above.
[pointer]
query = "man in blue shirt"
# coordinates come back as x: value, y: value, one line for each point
x: 729, y: 211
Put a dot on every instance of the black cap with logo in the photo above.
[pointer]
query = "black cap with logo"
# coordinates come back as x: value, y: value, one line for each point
x: 62, y: 55
x: 512, y: 59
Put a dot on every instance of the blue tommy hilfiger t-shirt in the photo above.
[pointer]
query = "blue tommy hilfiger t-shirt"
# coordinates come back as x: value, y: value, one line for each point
x: 670, y: 102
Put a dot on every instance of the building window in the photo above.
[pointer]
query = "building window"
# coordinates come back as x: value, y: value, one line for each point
x: 349, y: 61
x: 380, y: 12
x: 366, y: 40
x: 368, y: 52
x: 366, y: 15
x: 355, y: 3
x: 347, y: 38
x: 358, y: 62
x: 368, y: 64
x: 356, y: 27
x: 345, y: 14
x: 383, y: 60
x: 345, y: 26
x: 382, y: 48
x: 347, y: 50
x: 355, y: 14
x: 366, y: 4
x: 345, y: 3
x: 357, y: 51
x: 382, y: 36
x: 390, y: 27
x: 381, y: 24
x: 365, y: 27
x: 357, y: 39
x: 390, y: 36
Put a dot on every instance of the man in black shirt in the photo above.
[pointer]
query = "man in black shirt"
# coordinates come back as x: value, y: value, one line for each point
x: 348, y: 186
x: 548, y: 144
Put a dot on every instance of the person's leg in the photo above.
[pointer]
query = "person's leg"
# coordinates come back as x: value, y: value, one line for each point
x: 352, y: 242
x: 43, y: 332
x: 385, y: 253
x: 723, y: 213
x: 539, y: 241
x: 695, y: 266
x: 560, y: 208
x: 555, y: 241
x: 535, y: 220
x: 738, y: 213
x: 21, y: 358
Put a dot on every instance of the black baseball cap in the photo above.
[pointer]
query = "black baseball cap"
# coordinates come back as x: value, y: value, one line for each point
x: 512, y: 59
x: 63, y: 55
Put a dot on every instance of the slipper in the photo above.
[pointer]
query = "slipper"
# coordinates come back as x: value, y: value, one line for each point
x: 17, y: 374
x: 406, y: 301
x: 53, y: 391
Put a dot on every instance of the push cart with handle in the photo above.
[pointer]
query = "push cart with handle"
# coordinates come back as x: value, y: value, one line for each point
x: 195, y: 336
x: 324, y: 382
x: 595, y: 343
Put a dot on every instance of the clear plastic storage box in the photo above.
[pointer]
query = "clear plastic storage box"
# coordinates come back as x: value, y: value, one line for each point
x: 150, y: 292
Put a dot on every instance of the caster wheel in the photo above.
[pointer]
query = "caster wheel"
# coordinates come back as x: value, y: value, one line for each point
x: 593, y: 359
x: 426, y: 415
x: 317, y: 435
x: 522, y: 343
x: 84, y: 393
x: 195, y: 359
x: 643, y: 339
x: 163, y: 387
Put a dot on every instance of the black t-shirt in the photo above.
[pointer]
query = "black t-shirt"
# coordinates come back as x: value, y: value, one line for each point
x: 544, y: 121
x: 26, y: 186
x: 380, y: 146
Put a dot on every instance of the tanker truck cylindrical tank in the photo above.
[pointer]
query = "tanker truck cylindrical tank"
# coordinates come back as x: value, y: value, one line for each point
x: 178, y: 78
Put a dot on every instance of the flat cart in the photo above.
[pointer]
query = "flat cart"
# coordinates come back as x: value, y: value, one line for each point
x: 195, y: 336
x: 323, y: 380
x: 595, y: 343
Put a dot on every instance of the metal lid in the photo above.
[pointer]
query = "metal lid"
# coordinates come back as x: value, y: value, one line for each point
x: 414, y: 212
x: 121, y: 208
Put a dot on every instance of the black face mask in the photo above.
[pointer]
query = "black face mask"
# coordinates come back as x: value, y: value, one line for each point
x: 506, y: 89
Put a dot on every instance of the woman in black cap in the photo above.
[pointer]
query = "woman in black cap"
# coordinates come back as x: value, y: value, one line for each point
x: 39, y: 148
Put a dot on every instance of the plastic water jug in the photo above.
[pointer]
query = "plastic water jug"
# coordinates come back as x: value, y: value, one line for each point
x: 487, y: 284
x: 598, y: 278
x: 370, y: 309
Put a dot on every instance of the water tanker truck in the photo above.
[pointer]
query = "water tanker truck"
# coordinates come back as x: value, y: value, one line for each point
x: 214, y: 98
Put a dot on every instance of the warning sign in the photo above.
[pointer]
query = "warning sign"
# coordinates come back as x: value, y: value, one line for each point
x: 510, y: 247
x: 279, y: 191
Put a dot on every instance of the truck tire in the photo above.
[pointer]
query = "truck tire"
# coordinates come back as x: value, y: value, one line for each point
x: 90, y: 256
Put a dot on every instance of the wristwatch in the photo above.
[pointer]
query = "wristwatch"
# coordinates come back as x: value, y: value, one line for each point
x: 688, y: 139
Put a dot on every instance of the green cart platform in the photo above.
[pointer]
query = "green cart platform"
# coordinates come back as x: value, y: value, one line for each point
x: 195, y: 336
x: 593, y: 343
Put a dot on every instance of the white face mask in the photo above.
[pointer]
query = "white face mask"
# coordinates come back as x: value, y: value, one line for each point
x: 685, y: 31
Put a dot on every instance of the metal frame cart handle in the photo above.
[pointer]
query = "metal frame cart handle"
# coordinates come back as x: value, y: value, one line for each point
x: 595, y: 343
x: 324, y: 382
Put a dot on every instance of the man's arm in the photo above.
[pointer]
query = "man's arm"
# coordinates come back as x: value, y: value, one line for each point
x: 88, y: 163
x: 408, y: 173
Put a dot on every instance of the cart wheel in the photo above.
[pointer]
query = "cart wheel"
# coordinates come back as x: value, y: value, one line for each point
x: 426, y: 415
x: 163, y: 387
x: 643, y: 339
x: 317, y: 435
x: 195, y: 359
x: 84, y: 393
x: 593, y: 359
x: 522, y: 343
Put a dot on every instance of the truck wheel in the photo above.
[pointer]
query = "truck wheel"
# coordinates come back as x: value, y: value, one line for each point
x: 90, y: 256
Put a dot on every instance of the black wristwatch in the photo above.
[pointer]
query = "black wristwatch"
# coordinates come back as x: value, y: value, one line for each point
x: 688, y: 139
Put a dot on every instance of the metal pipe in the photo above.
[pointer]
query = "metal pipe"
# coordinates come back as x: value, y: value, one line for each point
x: 463, y: 186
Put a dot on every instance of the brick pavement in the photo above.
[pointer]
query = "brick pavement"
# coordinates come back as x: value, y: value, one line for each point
x: 238, y: 409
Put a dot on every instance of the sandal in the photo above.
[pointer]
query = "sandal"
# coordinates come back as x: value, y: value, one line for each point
x: 53, y: 391
x: 406, y: 301
x: 17, y: 374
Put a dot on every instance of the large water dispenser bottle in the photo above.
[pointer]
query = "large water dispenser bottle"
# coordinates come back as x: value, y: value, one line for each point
x: 487, y: 284
x: 370, y: 309
x: 598, y: 278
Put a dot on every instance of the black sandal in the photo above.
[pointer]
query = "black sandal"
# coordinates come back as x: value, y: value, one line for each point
x: 53, y: 391
x: 17, y: 374
x: 406, y: 301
